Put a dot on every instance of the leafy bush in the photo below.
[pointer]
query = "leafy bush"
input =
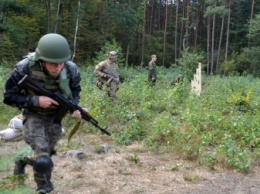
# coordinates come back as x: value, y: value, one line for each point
x: 219, y: 128
x: 189, y: 62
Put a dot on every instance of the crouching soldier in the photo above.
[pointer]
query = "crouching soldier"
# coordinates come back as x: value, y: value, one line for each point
x: 108, y: 75
x: 51, y: 68
x: 178, y: 80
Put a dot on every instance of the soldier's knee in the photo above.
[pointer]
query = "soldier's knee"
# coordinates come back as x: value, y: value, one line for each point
x: 43, y: 164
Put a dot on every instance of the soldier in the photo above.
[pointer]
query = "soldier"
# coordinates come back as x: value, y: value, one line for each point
x: 107, y: 73
x: 51, y: 68
x: 178, y: 80
x: 152, y: 76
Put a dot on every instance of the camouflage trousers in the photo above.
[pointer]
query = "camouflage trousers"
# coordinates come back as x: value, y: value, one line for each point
x: 112, y: 88
x: 41, y: 133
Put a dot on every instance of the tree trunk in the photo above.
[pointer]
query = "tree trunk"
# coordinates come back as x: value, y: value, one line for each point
x: 208, y: 44
x: 126, y: 55
x: 186, y: 42
x: 48, y: 12
x: 165, y: 32
x: 151, y: 18
x: 57, y: 17
x: 251, y: 16
x: 143, y: 35
x: 228, y: 27
x: 213, y: 45
x: 182, y: 25
x: 196, y: 28
x: 220, y: 42
x: 76, y: 32
x: 176, y: 32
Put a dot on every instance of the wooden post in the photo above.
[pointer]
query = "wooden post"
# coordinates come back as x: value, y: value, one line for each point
x: 196, y: 82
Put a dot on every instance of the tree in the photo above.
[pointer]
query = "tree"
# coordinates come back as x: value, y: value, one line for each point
x: 176, y: 31
x: 228, y: 27
x: 254, y: 30
x: 17, y: 27
x: 165, y: 31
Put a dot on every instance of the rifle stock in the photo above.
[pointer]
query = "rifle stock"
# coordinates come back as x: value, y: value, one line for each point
x: 28, y: 83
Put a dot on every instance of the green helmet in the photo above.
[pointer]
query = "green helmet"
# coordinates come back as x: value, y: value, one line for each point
x: 113, y: 54
x: 53, y: 48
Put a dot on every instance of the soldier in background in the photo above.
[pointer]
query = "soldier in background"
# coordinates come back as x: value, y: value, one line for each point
x: 178, y: 80
x: 108, y: 75
x: 152, y: 76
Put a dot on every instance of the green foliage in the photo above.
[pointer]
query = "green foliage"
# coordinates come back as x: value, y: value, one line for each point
x: 5, y: 162
x: 189, y: 62
x: 220, y: 128
x: 12, y: 182
x: 5, y: 48
x: 252, y: 54
x: 7, y: 111
x: 109, y: 46
x: 244, y: 63
x: 18, y: 28
x: 254, y: 29
x: 17, y: 190
x: 229, y: 68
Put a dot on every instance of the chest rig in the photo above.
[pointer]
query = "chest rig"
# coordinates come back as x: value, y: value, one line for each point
x: 59, y: 84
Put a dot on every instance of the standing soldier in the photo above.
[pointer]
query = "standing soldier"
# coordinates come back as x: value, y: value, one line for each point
x: 152, y: 76
x: 107, y: 73
x: 51, y: 68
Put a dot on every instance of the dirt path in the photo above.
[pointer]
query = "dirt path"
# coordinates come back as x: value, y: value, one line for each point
x: 131, y: 170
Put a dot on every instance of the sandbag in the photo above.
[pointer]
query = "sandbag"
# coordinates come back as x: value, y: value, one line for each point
x: 14, y: 130
x: 16, y: 123
x: 11, y: 134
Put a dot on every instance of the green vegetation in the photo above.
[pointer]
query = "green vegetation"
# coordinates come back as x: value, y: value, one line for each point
x: 13, y: 184
x: 219, y: 129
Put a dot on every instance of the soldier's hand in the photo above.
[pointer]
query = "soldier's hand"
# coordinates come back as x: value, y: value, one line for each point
x: 104, y: 76
x: 46, y: 102
x: 77, y: 114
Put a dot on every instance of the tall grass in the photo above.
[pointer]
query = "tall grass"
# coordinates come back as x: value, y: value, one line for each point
x: 219, y: 129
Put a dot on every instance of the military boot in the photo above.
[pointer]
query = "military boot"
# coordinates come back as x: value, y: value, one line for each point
x: 19, y: 167
x: 20, y: 164
x: 44, y: 184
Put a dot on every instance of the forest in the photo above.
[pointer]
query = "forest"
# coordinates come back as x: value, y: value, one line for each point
x: 221, y: 34
x: 162, y: 136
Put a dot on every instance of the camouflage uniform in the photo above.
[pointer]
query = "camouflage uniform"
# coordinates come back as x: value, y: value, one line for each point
x: 152, y: 75
x: 101, y: 71
x: 42, y: 126
x: 178, y: 80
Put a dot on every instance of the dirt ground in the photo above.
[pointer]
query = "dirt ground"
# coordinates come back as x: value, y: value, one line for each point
x: 132, y: 170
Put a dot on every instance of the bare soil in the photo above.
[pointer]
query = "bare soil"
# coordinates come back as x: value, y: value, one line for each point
x: 133, y: 170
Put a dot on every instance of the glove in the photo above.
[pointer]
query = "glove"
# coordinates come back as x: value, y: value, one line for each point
x: 104, y: 75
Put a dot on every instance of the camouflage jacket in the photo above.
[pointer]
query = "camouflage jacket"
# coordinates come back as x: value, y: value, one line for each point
x: 17, y: 97
x: 106, y: 67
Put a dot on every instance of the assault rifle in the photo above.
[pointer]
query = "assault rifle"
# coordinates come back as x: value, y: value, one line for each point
x: 28, y: 83
x: 111, y: 77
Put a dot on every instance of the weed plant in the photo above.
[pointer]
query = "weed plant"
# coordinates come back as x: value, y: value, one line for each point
x: 220, y: 128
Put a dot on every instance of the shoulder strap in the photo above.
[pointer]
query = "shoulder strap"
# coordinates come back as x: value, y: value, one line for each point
x: 31, y: 57
x: 64, y: 83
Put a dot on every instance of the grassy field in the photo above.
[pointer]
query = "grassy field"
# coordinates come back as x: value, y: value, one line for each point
x: 219, y: 129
